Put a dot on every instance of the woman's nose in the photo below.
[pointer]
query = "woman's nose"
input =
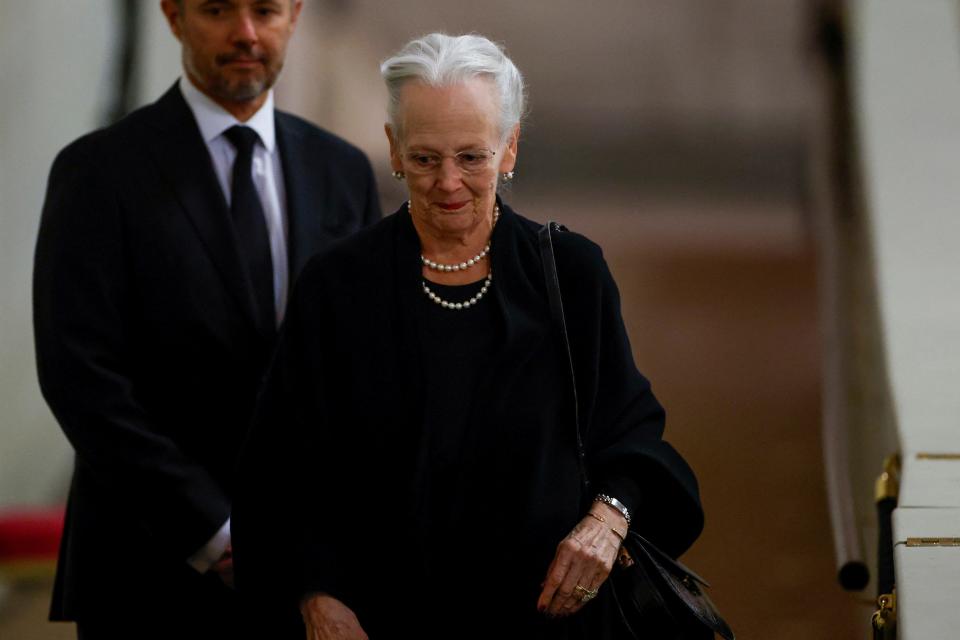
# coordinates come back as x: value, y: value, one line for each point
x: 449, y: 175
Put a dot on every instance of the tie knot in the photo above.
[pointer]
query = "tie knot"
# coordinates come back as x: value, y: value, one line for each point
x: 242, y: 138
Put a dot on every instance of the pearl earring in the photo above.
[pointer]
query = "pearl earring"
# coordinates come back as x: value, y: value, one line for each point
x: 399, y: 175
x: 507, y: 177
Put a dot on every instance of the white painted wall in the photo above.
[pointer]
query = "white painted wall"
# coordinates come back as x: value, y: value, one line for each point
x: 55, y: 61
x: 907, y: 90
x: 909, y: 99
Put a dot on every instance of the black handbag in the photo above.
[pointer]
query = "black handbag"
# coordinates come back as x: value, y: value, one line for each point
x: 656, y: 596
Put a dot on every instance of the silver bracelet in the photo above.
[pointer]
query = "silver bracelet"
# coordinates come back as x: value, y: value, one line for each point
x: 616, y: 504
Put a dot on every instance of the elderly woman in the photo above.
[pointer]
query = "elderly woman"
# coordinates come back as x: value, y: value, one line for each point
x: 413, y: 471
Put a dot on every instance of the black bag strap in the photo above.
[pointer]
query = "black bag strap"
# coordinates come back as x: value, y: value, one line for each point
x: 560, y: 324
x: 670, y: 574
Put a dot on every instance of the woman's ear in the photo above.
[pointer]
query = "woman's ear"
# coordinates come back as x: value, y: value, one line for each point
x: 395, y: 162
x: 509, y: 160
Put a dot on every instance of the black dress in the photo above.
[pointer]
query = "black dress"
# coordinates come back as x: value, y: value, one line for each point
x: 456, y: 346
x: 465, y: 511
x: 420, y: 464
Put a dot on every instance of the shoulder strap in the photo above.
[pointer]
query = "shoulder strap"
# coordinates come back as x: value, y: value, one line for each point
x: 560, y: 325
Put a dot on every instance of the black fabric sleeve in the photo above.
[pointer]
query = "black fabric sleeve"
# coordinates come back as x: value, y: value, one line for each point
x: 622, y: 419
x: 80, y: 310
x: 285, y: 543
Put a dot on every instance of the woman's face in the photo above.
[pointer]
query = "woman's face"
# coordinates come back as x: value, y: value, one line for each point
x: 451, y: 153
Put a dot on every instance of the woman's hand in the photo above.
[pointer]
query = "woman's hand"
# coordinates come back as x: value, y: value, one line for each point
x: 583, y: 561
x: 326, y: 618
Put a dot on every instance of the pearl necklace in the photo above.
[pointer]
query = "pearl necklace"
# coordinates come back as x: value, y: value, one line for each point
x: 463, y: 266
x: 460, y: 305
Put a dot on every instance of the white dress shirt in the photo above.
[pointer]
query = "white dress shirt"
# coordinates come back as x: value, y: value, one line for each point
x: 213, y: 120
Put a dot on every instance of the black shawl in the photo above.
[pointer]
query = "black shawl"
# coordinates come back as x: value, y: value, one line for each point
x: 329, y: 494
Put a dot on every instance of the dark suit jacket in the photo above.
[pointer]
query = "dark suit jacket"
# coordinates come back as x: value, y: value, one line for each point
x: 147, y: 346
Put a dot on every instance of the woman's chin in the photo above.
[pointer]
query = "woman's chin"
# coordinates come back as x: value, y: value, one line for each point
x: 462, y: 219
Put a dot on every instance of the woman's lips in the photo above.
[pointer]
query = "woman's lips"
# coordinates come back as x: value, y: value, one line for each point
x: 452, y: 206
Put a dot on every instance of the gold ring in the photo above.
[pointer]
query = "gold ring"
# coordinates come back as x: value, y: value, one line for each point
x: 588, y: 594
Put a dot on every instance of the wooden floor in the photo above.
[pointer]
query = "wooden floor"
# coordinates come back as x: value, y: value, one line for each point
x: 720, y: 303
x: 23, y: 614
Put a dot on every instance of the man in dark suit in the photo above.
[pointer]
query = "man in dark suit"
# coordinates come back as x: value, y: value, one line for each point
x: 167, y: 246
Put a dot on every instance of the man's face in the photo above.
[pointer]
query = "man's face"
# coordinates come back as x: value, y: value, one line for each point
x: 233, y: 50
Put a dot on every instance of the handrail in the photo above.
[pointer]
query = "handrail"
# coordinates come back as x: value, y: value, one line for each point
x: 831, y: 198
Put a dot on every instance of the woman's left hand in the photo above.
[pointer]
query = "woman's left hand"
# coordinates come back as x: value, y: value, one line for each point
x: 582, y: 562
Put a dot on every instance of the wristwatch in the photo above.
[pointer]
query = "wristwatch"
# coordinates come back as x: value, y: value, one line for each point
x: 616, y: 504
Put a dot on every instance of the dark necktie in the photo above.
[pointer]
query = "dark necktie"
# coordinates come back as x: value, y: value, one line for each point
x: 250, y: 224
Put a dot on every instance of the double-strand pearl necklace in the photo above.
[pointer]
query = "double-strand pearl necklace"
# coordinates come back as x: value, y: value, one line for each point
x: 463, y: 266
x: 466, y: 304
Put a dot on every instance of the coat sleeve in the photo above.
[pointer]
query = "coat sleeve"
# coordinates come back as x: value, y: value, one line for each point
x: 81, y: 296
x: 621, y: 419
x: 284, y: 545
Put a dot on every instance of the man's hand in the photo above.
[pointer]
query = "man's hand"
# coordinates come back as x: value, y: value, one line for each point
x: 224, y: 567
x: 326, y: 618
x: 582, y: 562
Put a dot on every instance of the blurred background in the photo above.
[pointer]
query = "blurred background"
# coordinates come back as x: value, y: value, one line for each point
x: 682, y: 136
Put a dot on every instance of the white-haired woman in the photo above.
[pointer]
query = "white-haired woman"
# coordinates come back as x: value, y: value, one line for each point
x: 413, y: 470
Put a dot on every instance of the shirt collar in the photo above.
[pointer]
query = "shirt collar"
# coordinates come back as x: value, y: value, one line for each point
x: 213, y: 119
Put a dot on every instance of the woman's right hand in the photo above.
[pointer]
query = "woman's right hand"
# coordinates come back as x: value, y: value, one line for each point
x: 326, y: 618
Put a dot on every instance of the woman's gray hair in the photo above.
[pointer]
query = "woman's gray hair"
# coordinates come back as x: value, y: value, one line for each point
x: 440, y: 60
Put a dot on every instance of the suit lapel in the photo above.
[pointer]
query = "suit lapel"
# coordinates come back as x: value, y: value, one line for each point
x: 185, y: 161
x: 305, y: 181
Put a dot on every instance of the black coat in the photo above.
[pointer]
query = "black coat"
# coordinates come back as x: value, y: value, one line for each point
x: 329, y: 487
x: 147, y: 346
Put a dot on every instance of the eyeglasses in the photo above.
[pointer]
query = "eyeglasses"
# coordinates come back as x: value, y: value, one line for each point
x: 469, y: 161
